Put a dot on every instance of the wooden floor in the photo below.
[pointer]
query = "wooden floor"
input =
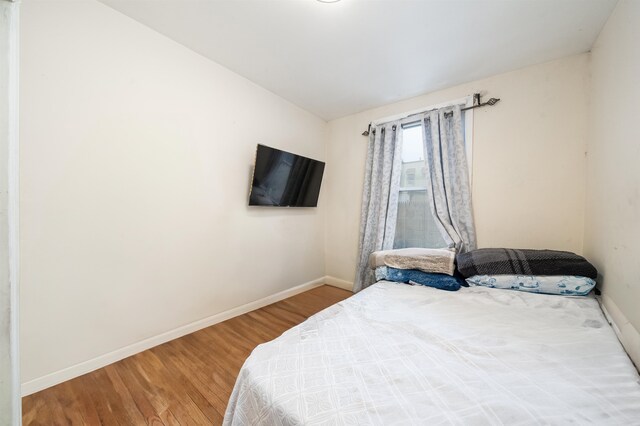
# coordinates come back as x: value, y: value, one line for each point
x: 183, y: 382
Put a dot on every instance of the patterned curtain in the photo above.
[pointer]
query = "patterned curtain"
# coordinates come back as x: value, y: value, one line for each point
x: 449, y: 191
x: 379, y: 197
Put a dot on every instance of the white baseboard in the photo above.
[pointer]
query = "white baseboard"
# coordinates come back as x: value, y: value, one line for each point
x: 85, y: 367
x: 626, y: 332
x: 337, y: 282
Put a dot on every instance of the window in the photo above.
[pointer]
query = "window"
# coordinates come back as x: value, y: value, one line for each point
x: 411, y: 177
x: 415, y: 226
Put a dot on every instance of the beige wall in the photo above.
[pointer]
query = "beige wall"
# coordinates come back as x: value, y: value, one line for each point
x: 136, y: 158
x: 528, y: 162
x: 612, y: 226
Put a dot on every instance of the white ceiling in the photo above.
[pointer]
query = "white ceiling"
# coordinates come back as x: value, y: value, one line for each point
x: 340, y: 58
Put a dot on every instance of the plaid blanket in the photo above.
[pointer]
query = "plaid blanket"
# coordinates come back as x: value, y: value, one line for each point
x: 502, y: 261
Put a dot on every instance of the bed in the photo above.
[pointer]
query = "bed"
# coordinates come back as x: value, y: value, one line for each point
x: 396, y: 354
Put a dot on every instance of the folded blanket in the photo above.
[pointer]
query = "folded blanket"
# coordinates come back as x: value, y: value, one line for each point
x: 439, y: 261
x: 381, y: 273
x: 501, y: 261
x: 412, y: 276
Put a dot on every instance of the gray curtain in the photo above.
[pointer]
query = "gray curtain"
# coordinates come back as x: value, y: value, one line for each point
x: 449, y: 191
x: 379, y: 197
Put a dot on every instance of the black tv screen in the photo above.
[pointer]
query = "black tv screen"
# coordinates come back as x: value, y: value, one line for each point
x: 284, y: 179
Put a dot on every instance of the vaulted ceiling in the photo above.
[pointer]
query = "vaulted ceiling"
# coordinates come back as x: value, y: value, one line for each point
x: 335, y: 59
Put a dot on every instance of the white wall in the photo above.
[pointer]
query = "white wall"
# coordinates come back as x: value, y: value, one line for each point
x: 612, y: 226
x: 528, y: 162
x: 136, y: 159
x: 10, y: 406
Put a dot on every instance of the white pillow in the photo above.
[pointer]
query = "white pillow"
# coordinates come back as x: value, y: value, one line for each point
x: 549, y: 284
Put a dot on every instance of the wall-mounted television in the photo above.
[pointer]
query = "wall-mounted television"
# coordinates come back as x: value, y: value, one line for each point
x: 284, y: 179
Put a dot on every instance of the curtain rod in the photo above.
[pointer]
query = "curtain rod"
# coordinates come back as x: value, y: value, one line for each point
x: 476, y: 104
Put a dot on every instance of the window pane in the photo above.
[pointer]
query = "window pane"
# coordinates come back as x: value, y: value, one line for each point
x: 416, y: 226
x: 412, y: 147
x: 413, y: 167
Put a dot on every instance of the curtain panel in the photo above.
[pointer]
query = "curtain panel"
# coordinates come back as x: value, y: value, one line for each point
x: 379, y: 197
x: 449, y: 188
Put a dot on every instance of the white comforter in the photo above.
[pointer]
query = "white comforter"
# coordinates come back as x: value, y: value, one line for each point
x: 395, y: 354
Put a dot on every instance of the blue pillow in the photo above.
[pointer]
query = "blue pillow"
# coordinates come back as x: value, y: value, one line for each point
x: 441, y: 281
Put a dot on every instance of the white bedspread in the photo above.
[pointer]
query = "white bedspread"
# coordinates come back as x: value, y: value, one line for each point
x: 395, y: 354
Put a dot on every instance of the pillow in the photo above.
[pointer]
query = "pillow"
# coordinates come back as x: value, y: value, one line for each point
x: 567, y: 285
x: 413, y: 276
x: 494, y: 261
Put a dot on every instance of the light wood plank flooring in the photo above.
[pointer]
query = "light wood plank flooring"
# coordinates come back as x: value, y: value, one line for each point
x: 183, y: 382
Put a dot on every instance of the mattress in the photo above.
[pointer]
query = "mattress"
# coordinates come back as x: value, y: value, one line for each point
x: 396, y: 354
